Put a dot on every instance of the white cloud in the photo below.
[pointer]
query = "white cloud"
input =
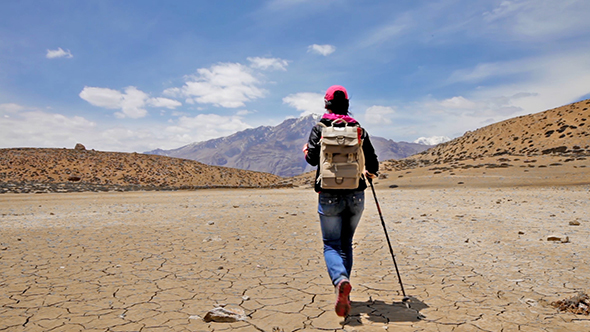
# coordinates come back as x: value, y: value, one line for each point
x: 244, y: 112
x: 432, y: 140
x: 379, y: 115
x: 227, y: 85
x: 29, y: 127
x: 324, y: 50
x: 449, y: 117
x: 483, y: 71
x: 458, y: 103
x: 545, y: 83
x: 164, y: 102
x: 503, y: 90
x: 102, y: 97
x: 5, y: 109
x: 132, y: 102
x: 306, y: 102
x: 532, y: 84
x: 132, y: 105
x: 205, y: 126
x: 269, y: 63
x: 59, y: 53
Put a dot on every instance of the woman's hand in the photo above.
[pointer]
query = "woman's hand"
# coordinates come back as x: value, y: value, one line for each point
x: 370, y: 175
x: 305, y: 148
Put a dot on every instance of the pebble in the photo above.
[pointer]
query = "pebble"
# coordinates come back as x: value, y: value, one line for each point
x: 558, y: 238
x: 224, y: 315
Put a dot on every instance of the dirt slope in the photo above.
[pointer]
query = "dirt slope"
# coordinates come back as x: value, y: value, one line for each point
x: 115, y: 168
x: 564, y: 130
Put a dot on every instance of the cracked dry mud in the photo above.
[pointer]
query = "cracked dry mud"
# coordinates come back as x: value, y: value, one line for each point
x: 473, y: 260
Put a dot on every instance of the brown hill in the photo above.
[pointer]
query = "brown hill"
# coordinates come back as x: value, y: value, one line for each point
x: 549, y: 148
x: 564, y: 130
x: 117, y: 171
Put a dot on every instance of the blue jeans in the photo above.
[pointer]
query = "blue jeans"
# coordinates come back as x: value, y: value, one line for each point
x: 339, y: 217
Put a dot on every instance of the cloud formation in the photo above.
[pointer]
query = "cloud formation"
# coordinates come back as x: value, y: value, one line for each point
x: 324, y: 50
x: 432, y: 140
x: 379, y: 115
x: 30, y: 127
x: 228, y: 85
x: 306, y: 102
x: 268, y: 63
x: 207, y: 126
x: 163, y: 103
x: 23, y: 126
x: 132, y: 102
x: 59, y: 53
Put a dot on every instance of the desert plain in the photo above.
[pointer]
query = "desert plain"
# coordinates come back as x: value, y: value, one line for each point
x: 489, y: 231
x: 472, y: 257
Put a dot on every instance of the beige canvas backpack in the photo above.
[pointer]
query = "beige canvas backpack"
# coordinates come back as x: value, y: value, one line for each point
x: 342, y: 161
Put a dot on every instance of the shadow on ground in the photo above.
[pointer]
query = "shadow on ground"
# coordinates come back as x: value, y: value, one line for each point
x: 377, y: 311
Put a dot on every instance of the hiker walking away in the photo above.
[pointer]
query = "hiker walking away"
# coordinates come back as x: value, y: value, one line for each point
x: 345, y: 157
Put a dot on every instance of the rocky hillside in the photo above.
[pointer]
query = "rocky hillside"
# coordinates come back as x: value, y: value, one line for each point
x: 275, y: 150
x: 564, y: 130
x: 72, y: 169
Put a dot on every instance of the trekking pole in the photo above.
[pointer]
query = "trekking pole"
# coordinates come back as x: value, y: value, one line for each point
x: 406, y: 298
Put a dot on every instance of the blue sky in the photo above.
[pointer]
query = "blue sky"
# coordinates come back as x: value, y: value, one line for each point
x: 139, y: 75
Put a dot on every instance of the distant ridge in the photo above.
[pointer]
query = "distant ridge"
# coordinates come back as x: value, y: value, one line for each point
x: 275, y: 150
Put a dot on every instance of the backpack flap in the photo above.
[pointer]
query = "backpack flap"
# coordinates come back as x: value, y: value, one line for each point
x: 340, y: 136
x: 339, y: 176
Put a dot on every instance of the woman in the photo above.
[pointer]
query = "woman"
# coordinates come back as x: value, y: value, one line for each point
x: 340, y: 210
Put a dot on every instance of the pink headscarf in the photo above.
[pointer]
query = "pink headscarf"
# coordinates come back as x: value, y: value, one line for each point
x: 334, y: 116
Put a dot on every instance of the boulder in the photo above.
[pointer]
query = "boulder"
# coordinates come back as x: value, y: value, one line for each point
x: 79, y: 146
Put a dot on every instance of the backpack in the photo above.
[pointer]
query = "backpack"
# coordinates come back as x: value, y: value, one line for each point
x: 342, y: 161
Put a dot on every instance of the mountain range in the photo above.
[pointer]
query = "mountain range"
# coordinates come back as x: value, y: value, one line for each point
x: 275, y: 149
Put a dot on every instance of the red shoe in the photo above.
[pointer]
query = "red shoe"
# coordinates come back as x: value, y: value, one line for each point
x: 342, y: 302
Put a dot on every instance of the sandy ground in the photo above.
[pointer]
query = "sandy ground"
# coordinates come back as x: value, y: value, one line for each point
x: 472, y: 258
x: 487, y: 172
